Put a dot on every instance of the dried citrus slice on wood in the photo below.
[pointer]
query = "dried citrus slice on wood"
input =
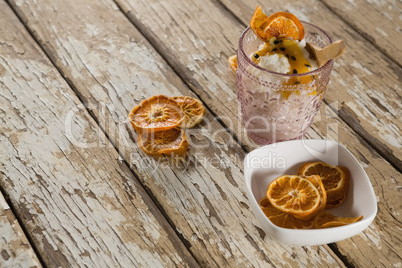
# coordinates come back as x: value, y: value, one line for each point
x: 155, y: 114
x: 283, y: 219
x: 335, y: 179
x: 294, y: 195
x: 172, y: 141
x: 233, y: 63
x: 193, y: 110
x: 316, y: 181
x: 281, y: 25
x: 328, y: 220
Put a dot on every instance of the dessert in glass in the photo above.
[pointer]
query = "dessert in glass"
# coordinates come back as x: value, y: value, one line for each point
x: 280, y: 88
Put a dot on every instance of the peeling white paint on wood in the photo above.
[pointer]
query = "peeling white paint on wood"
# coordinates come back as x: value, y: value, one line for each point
x: 15, y: 250
x: 382, y: 15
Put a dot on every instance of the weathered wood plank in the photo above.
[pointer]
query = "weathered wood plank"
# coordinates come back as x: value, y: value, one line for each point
x: 357, y: 100
x: 200, y: 54
x: 378, y: 21
x: 15, y: 250
x: 114, y: 68
x: 80, y: 206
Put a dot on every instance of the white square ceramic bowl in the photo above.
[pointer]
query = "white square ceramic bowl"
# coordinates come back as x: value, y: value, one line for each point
x: 264, y: 164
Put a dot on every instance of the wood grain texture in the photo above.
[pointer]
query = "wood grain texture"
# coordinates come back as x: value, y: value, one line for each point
x: 15, y: 250
x: 80, y: 206
x: 365, y: 85
x: 380, y: 22
x: 203, y: 195
x: 113, y: 67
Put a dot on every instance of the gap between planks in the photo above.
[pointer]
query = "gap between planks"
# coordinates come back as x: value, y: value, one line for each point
x: 22, y: 226
x: 360, y: 33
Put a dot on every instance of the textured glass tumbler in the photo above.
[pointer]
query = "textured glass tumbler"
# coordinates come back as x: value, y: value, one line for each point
x: 274, y: 106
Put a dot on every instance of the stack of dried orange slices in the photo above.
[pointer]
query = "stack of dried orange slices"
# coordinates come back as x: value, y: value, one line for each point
x: 298, y: 201
x: 160, y: 120
x: 281, y: 25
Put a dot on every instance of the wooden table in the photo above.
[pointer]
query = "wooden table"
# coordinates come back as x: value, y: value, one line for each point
x: 76, y: 191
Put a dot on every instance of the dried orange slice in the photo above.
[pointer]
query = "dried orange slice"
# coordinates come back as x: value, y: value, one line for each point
x: 283, y: 219
x: 233, y: 63
x: 256, y: 22
x: 155, y: 114
x: 328, y: 220
x: 172, y: 141
x: 316, y: 181
x: 335, y: 179
x: 281, y: 25
x: 294, y: 195
x: 193, y: 110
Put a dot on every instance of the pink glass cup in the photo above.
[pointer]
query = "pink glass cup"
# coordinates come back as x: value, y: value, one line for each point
x: 278, y: 107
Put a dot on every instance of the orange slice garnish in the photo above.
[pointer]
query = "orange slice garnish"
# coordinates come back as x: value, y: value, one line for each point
x: 335, y: 179
x: 281, y: 25
x: 233, y: 63
x: 193, y: 110
x: 335, y: 203
x: 283, y: 219
x: 294, y: 195
x: 156, y: 114
x: 172, y: 141
x: 328, y: 220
